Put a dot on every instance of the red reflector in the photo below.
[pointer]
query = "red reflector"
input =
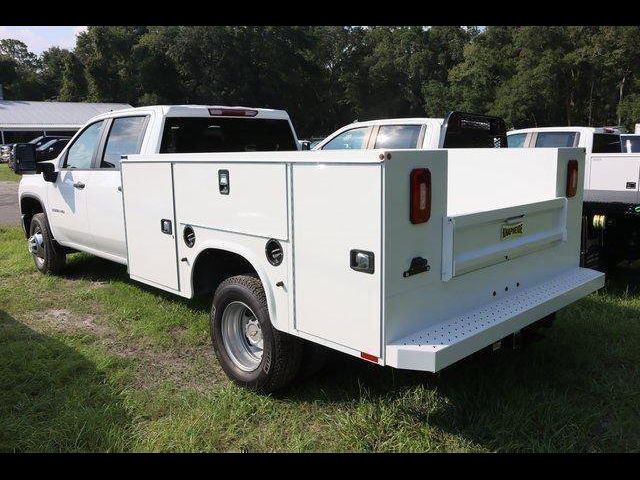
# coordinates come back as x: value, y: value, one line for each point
x: 232, y: 112
x: 368, y: 356
x: 420, y: 180
x: 572, y: 178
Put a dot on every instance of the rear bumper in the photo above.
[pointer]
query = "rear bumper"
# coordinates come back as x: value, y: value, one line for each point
x: 438, y: 346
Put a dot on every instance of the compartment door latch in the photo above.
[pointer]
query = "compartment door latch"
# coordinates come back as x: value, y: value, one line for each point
x: 362, y: 261
x: 166, y: 226
x: 418, y: 265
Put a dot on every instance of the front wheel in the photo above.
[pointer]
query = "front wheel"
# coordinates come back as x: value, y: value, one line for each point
x: 48, y: 255
x: 251, y: 352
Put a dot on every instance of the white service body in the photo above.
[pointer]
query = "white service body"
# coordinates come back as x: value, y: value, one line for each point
x: 320, y: 205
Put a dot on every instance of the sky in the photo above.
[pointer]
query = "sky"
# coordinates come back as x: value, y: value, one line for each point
x: 40, y: 38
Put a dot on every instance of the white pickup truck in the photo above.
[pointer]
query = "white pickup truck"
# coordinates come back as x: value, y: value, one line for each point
x: 412, y: 259
x: 456, y: 130
x: 611, y: 213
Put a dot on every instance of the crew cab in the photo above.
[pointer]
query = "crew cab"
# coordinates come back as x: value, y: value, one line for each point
x: 457, y: 130
x: 84, y: 202
x: 412, y: 259
x: 611, y: 213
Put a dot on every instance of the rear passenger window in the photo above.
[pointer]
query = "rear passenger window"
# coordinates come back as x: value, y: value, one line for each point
x: 556, y: 139
x: 350, y: 140
x: 125, y: 138
x: 398, y: 136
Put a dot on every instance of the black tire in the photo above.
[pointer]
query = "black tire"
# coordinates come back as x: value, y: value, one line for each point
x: 51, y: 257
x: 281, y: 352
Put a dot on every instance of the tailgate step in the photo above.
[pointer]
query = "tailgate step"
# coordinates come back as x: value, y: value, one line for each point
x: 441, y: 345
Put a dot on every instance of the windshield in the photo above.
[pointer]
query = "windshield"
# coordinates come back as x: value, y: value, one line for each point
x: 204, y: 134
x: 630, y: 143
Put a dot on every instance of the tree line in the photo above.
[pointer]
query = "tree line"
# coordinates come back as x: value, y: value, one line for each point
x: 329, y: 76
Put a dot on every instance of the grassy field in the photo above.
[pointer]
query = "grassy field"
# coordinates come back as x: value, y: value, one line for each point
x: 7, y: 175
x: 93, y: 361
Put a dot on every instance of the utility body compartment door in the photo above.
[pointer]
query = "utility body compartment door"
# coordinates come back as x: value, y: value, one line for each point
x: 150, y: 223
x: 338, y: 209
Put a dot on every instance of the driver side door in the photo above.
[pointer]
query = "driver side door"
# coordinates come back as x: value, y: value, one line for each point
x: 66, y: 197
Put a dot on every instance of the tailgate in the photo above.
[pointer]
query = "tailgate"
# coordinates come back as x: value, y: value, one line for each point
x: 437, y: 346
x: 502, y: 244
x: 481, y: 239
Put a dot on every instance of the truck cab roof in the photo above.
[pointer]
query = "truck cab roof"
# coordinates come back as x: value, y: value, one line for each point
x: 395, y: 121
x: 199, y: 111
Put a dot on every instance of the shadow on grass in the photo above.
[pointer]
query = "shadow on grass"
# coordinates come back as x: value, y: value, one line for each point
x: 95, y: 269
x: 624, y: 280
x: 52, y: 398
x: 575, y: 390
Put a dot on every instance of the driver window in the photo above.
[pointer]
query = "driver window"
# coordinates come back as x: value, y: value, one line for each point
x: 80, y: 154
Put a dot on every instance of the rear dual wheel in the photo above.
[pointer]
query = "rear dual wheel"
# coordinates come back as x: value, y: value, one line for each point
x: 251, y: 352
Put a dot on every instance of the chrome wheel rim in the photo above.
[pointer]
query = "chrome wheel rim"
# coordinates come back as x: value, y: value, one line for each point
x: 242, y: 336
x: 36, y: 246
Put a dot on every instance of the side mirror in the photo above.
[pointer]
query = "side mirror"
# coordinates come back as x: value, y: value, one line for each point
x: 48, y: 171
x: 305, y: 145
x: 24, y: 158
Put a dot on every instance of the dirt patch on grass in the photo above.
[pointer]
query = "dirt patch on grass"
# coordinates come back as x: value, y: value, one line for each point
x: 190, y: 367
x: 66, y: 321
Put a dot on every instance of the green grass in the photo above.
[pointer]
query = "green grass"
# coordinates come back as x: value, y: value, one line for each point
x: 8, y: 175
x: 92, y: 361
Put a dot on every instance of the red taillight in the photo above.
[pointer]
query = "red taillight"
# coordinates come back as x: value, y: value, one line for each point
x: 232, y: 112
x: 420, y: 180
x: 572, y: 178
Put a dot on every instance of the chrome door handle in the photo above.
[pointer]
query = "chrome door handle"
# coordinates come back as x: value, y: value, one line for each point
x: 79, y: 185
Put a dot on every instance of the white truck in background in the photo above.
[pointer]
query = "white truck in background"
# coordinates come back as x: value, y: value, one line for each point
x: 456, y: 130
x: 413, y: 259
x: 611, y: 212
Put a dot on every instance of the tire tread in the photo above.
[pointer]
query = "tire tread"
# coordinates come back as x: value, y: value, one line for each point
x: 287, y: 348
x: 55, y: 257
